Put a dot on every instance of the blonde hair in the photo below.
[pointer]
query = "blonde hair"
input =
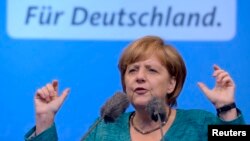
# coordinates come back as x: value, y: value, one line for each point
x: 146, y: 46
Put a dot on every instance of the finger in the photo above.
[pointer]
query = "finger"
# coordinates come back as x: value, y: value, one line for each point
x: 221, y: 76
x: 46, y: 94
x: 40, y: 94
x: 63, y: 95
x: 204, y: 89
x: 216, y: 67
x: 55, y: 85
x: 217, y: 72
x: 227, y: 81
x: 51, y: 90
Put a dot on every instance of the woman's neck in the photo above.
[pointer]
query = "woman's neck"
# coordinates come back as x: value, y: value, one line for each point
x: 143, y: 120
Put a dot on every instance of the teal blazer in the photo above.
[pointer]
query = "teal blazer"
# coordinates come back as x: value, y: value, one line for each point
x: 189, y: 125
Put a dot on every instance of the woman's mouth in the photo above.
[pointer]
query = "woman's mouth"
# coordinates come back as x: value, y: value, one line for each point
x: 140, y: 90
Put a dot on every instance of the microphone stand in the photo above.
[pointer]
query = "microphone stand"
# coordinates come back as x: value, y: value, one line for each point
x: 115, y: 106
x: 86, y: 134
x: 162, y: 137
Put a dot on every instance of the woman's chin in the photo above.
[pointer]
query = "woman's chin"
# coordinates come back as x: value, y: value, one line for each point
x: 140, y: 103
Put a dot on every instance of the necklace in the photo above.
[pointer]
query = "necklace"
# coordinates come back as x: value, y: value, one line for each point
x: 149, y: 131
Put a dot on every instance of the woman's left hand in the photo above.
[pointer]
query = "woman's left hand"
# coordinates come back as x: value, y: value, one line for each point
x: 224, y: 89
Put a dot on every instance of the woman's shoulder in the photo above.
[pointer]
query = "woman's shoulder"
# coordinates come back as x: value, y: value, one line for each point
x: 191, y: 112
x: 193, y: 115
x: 120, y: 122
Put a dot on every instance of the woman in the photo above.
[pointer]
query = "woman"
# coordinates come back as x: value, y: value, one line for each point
x: 148, y: 68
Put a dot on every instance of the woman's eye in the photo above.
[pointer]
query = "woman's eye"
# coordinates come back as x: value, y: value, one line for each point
x: 131, y: 70
x: 152, y: 70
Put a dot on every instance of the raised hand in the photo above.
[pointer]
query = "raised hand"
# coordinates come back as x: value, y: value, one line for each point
x: 224, y: 89
x: 47, y: 103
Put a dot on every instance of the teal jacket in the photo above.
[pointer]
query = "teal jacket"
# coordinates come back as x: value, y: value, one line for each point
x: 189, y: 125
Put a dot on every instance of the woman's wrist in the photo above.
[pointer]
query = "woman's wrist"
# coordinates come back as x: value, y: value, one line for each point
x: 43, y: 122
x: 225, y: 108
x: 227, y: 112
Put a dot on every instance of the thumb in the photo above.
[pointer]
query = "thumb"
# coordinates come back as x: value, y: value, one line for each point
x: 63, y: 96
x: 204, y: 88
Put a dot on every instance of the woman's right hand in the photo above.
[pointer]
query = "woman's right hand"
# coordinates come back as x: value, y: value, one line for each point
x: 47, y: 103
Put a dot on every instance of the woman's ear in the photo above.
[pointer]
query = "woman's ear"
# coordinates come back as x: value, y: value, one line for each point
x: 171, y: 86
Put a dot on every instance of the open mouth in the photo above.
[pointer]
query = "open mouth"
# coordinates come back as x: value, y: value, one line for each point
x: 140, y: 90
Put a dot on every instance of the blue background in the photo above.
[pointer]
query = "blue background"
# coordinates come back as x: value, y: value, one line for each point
x: 89, y: 68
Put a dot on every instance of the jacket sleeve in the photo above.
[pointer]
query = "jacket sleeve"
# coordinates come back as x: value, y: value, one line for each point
x: 49, y: 134
x: 237, y: 121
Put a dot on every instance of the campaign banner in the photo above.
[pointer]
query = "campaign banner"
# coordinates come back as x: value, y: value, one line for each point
x: 121, y: 20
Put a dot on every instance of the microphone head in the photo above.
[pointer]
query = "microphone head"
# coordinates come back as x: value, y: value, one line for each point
x: 114, y: 107
x: 155, y: 107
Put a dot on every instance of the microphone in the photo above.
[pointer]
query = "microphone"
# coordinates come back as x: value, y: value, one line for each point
x: 111, y: 110
x: 115, y: 106
x: 157, y: 111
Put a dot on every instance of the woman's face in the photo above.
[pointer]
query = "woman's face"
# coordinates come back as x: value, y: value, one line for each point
x: 147, y: 78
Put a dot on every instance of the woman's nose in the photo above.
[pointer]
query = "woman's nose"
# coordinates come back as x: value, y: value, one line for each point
x: 141, y: 76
